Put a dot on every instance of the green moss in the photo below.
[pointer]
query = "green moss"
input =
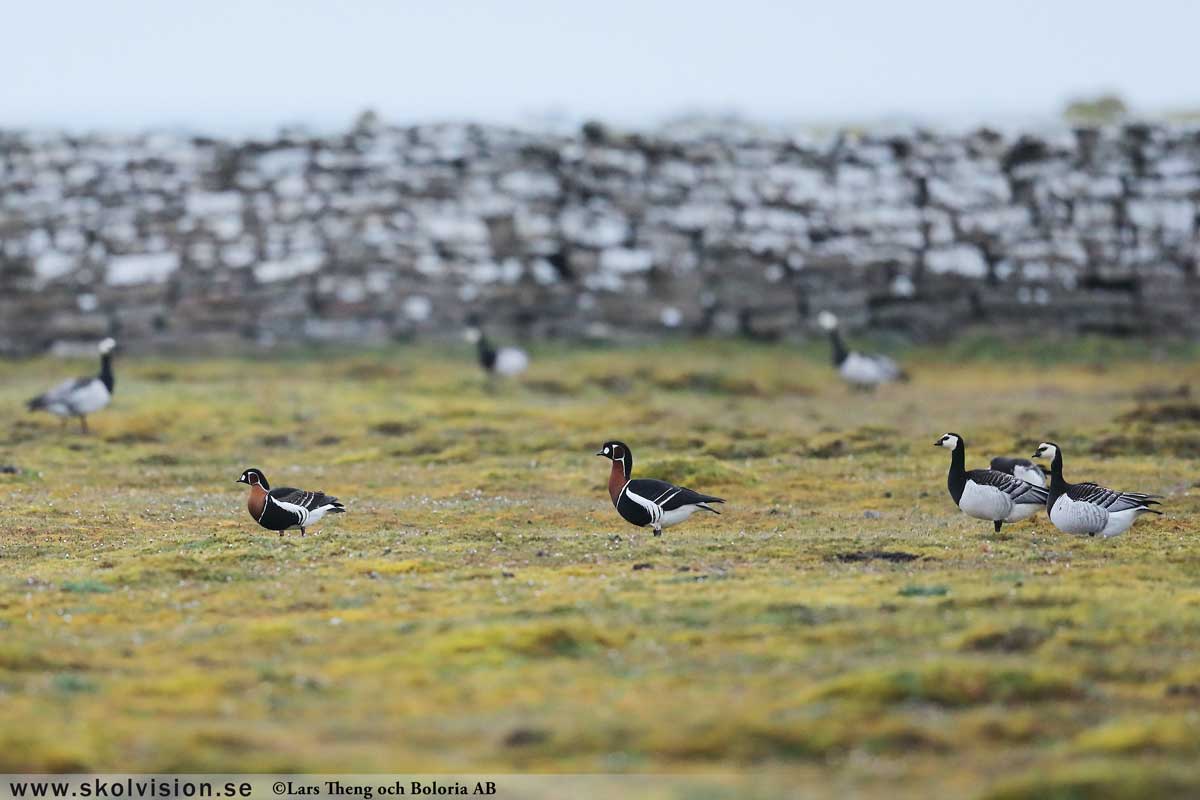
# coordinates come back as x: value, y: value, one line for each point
x: 1098, y: 781
x: 960, y: 684
x: 86, y: 587
x: 694, y: 472
x: 481, y: 607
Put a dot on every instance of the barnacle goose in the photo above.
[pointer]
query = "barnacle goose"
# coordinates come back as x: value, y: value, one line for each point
x: 285, y: 508
x: 505, y: 361
x: 1087, y: 507
x: 1021, y: 468
x: 646, y: 501
x: 79, y: 397
x: 860, y: 370
x: 987, y: 493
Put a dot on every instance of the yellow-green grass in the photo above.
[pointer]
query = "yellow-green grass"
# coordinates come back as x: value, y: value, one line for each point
x: 482, y: 608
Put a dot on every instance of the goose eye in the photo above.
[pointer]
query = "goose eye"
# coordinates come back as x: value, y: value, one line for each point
x: 607, y: 449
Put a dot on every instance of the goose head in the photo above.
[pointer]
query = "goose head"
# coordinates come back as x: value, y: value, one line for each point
x: 950, y: 441
x: 1046, y: 450
x: 254, y: 477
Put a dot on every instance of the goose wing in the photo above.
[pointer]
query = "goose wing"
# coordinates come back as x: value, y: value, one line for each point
x: 668, y: 496
x: 867, y: 368
x: 1020, y: 491
x: 61, y: 394
x: 1111, y: 500
x: 1021, y: 468
x: 1006, y: 464
x: 511, y: 361
x: 285, y: 495
x: 887, y: 366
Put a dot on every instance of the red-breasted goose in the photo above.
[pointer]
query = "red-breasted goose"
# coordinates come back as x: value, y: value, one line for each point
x: 285, y: 508
x: 646, y: 501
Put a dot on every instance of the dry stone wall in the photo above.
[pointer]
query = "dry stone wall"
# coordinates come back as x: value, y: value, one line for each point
x: 386, y: 233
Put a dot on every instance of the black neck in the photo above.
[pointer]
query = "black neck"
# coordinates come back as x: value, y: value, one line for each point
x: 839, y: 347
x: 106, y: 373
x: 487, y: 353
x: 956, y: 481
x: 627, y: 464
x: 1058, y: 484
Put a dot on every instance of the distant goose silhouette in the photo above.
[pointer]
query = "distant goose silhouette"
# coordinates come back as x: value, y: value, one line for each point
x: 505, y: 361
x: 79, y: 397
x: 860, y: 370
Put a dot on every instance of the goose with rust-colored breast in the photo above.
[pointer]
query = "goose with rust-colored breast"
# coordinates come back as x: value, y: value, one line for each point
x: 646, y: 501
x: 1088, y: 508
x: 286, y: 508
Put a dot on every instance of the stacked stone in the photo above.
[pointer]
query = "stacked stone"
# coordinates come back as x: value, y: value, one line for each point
x: 383, y: 233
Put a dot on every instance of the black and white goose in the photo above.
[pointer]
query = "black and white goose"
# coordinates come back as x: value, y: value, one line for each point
x: 1087, y: 508
x: 505, y: 361
x: 860, y: 370
x: 987, y: 493
x: 79, y: 397
x: 646, y: 501
x: 1021, y: 468
x: 285, y: 508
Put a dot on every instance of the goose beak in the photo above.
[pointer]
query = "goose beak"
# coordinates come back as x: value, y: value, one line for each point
x: 599, y: 454
x: 937, y: 443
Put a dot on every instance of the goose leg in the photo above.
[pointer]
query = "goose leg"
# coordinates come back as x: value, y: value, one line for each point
x: 303, y: 532
x: 998, y: 523
x: 657, y: 530
x: 83, y: 422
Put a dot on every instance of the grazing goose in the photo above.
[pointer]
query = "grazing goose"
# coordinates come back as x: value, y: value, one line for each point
x: 987, y: 493
x: 1021, y: 468
x: 647, y: 501
x: 286, y: 508
x: 79, y: 397
x: 1088, y: 508
x: 860, y: 370
x: 507, y: 361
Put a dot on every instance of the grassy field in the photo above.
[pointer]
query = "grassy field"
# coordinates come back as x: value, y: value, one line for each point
x: 482, y: 607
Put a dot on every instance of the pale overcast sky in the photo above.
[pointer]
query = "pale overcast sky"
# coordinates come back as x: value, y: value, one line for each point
x: 242, y: 65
